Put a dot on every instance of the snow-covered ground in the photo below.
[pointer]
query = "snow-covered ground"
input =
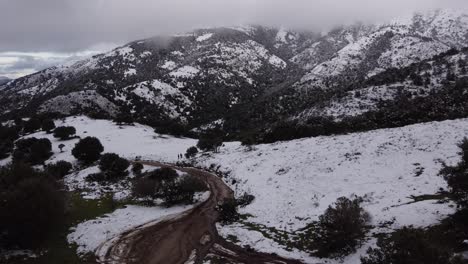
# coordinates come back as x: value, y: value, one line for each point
x: 295, y: 181
x: 127, y: 141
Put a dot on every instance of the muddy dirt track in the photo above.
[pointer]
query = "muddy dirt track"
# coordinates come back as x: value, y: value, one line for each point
x: 189, y: 237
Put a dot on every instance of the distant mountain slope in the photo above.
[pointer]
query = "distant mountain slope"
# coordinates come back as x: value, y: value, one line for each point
x: 4, y: 80
x: 247, y: 77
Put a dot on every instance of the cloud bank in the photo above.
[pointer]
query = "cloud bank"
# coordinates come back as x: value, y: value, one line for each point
x: 70, y: 25
x: 65, y: 27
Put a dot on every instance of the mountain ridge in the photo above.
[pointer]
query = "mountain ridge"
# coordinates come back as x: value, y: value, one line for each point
x: 197, y: 78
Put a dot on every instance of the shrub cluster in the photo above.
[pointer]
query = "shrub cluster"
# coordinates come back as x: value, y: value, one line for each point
x: 211, y: 140
x: 408, y: 245
x: 32, y: 150
x: 8, y: 134
x: 166, y: 184
x: 113, y: 166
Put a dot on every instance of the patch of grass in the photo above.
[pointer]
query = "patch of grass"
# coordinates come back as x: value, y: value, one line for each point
x: 56, y: 249
x: 281, y: 237
x: 232, y: 238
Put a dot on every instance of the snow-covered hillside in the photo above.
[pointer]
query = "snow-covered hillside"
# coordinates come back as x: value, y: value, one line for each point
x: 294, y: 182
x: 127, y: 141
x: 196, y: 78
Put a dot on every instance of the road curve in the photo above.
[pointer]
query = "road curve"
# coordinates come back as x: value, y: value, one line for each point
x: 187, y: 237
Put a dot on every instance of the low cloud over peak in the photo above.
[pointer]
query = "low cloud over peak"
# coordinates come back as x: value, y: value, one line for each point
x: 65, y: 28
x: 68, y: 25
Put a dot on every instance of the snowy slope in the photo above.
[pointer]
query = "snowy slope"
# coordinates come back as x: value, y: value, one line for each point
x: 295, y: 181
x: 127, y: 141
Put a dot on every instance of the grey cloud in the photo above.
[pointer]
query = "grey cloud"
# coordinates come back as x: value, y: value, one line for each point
x: 70, y: 25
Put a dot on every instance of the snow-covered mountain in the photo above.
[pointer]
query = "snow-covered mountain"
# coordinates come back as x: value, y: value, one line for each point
x: 243, y: 76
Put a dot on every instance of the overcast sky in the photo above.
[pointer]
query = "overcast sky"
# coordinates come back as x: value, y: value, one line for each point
x: 38, y: 33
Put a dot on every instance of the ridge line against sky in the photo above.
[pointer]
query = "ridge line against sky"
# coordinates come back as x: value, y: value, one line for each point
x: 68, y: 29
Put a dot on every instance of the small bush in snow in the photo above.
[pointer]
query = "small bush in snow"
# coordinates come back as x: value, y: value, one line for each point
x: 228, y: 211
x: 64, y: 132
x: 59, y: 169
x: 32, y: 150
x: 137, y: 168
x: 211, y: 140
x: 191, y: 152
x: 341, y: 228
x: 88, y: 150
x: 113, y: 165
x: 245, y: 200
x: 408, y: 245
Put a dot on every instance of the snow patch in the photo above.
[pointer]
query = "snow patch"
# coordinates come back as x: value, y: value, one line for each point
x: 204, y: 37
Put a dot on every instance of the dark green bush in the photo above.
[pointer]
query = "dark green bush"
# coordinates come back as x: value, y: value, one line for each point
x: 228, y: 211
x: 31, y: 206
x: 191, y: 152
x: 167, y: 185
x: 59, y: 169
x: 341, y: 228
x: 32, y: 125
x: 137, y: 168
x: 47, y: 125
x: 64, y: 132
x: 113, y: 166
x: 457, y: 176
x: 8, y: 135
x: 144, y: 187
x: 88, y: 150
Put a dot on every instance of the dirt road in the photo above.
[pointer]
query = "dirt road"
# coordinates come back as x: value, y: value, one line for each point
x: 188, y: 237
